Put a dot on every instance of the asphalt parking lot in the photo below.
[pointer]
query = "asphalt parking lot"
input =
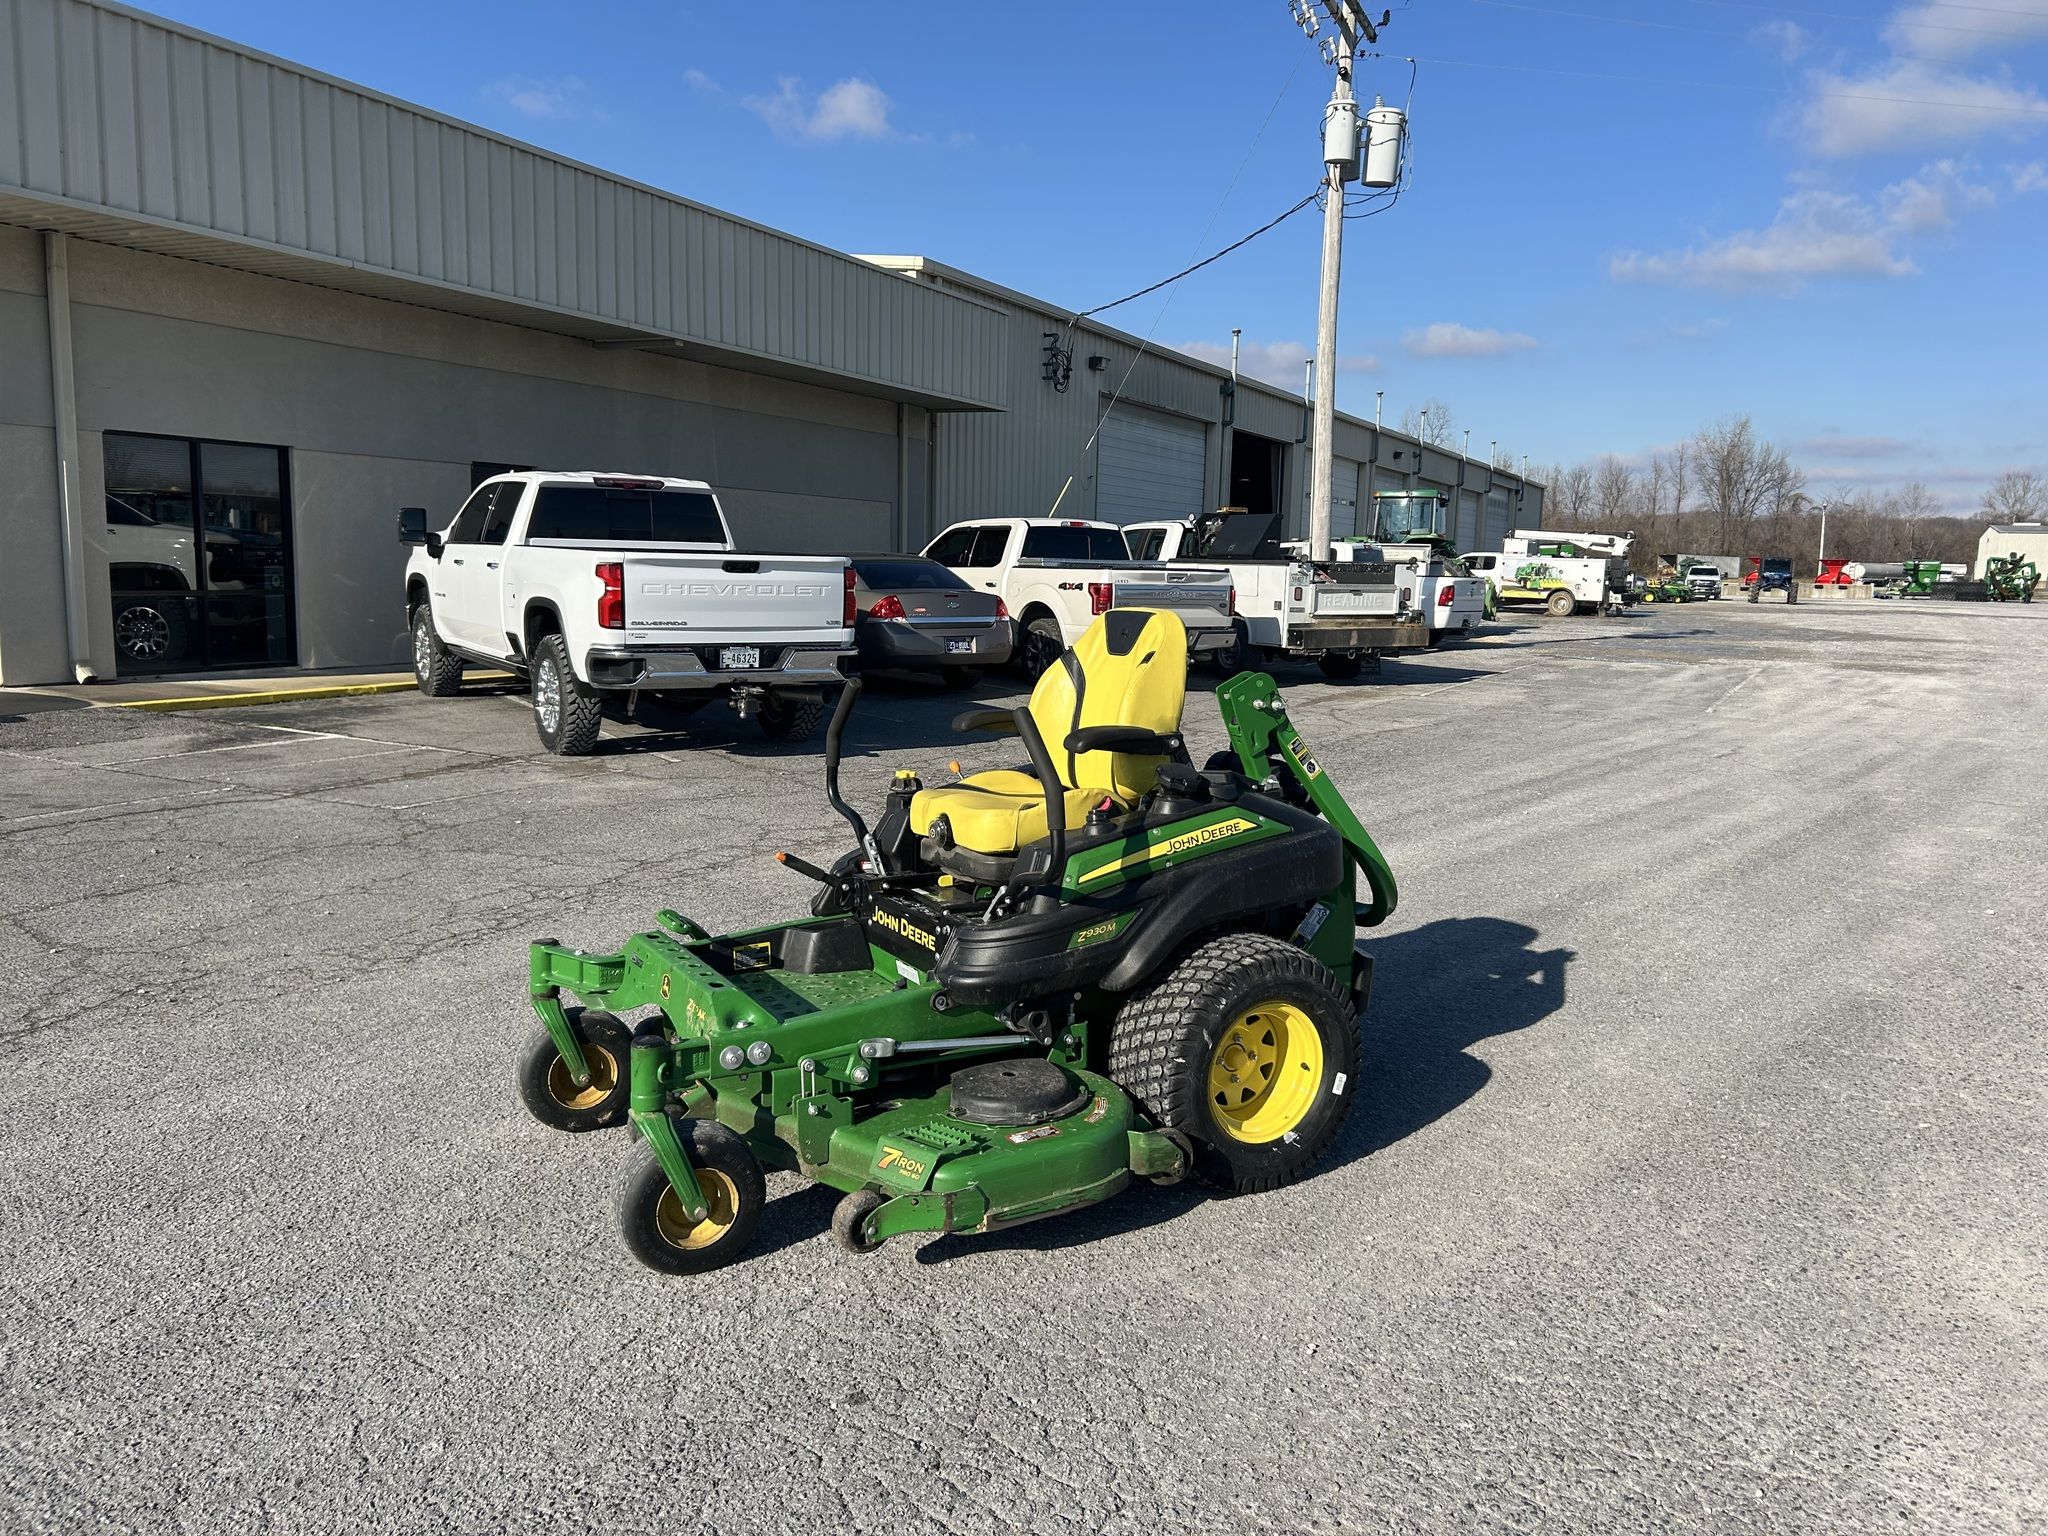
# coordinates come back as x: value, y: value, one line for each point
x: 1696, y: 1183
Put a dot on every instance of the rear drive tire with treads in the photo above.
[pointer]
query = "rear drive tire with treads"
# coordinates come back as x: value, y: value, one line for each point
x: 567, y: 715
x: 787, y: 719
x: 1247, y: 1045
x: 1560, y: 604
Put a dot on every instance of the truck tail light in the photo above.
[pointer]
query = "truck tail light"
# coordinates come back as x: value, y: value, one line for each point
x: 849, y: 612
x: 1002, y: 609
x: 1232, y: 603
x: 1100, y: 595
x: 1443, y: 598
x: 611, y: 598
x: 890, y: 607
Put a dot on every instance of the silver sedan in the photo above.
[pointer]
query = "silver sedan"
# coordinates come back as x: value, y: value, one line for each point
x: 918, y: 615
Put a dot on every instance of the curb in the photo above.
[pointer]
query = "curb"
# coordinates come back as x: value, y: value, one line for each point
x: 274, y: 696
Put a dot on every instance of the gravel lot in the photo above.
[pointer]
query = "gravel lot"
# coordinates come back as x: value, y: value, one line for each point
x: 1696, y: 1184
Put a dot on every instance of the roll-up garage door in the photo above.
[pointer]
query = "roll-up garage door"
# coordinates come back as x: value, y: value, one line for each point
x: 1465, y: 531
x: 1494, y: 531
x: 1150, y: 466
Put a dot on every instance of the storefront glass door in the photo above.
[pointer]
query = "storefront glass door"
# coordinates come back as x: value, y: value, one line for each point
x: 198, y: 554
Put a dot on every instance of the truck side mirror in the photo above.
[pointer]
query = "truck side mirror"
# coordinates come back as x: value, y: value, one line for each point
x: 412, y: 529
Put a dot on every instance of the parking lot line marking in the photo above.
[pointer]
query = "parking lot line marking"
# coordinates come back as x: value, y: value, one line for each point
x: 1724, y: 698
x: 117, y: 805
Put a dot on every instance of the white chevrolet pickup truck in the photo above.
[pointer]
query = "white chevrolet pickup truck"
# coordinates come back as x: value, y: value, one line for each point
x: 622, y: 593
x: 1056, y: 574
x: 1337, y: 613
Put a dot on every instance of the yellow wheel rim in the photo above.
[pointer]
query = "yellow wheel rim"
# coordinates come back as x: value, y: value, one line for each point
x: 604, y: 1077
x: 1265, y: 1072
x: 721, y: 1202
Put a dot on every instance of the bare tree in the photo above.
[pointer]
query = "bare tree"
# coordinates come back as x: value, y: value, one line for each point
x: 1503, y: 458
x: 1614, y: 485
x: 2017, y: 496
x: 1433, y: 424
x: 1744, y: 480
x: 1571, y: 495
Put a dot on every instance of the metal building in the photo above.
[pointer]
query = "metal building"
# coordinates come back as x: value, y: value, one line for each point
x: 247, y: 310
x: 1175, y: 436
x: 2027, y: 539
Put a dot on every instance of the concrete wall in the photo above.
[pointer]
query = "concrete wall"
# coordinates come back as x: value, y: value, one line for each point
x: 383, y: 404
x: 31, y: 586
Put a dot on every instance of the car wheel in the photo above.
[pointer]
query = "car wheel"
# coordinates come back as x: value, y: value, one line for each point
x: 1340, y: 668
x: 790, y: 719
x: 566, y: 715
x: 1043, y: 645
x: 435, y: 668
x: 150, y: 632
x: 1560, y: 604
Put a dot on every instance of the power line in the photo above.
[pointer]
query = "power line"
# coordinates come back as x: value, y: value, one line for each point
x: 1206, y: 260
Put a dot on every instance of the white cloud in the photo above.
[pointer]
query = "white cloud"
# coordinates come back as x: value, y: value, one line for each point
x: 1817, y: 234
x: 562, y: 96
x: 1448, y: 339
x: 2028, y: 178
x: 1789, y: 38
x: 702, y: 83
x: 1277, y: 362
x: 1951, y: 31
x: 1907, y: 102
x: 1934, y: 199
x: 847, y: 109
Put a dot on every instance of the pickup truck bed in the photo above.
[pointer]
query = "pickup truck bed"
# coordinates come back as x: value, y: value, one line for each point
x: 622, y: 593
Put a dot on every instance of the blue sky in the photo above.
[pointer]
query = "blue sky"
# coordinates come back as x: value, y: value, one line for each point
x: 1626, y: 218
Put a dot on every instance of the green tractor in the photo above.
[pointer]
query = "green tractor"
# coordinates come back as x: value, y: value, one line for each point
x: 1013, y: 996
x: 2010, y: 578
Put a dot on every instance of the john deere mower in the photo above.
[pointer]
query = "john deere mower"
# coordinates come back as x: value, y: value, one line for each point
x: 1016, y: 993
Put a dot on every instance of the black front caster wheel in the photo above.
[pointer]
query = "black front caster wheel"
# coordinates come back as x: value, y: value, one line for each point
x: 552, y: 1094
x: 661, y: 1234
x: 850, y: 1220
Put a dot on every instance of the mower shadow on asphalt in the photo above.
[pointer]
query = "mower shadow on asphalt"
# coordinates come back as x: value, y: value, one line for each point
x: 1437, y: 991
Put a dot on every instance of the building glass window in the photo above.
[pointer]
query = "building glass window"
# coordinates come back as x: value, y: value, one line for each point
x: 198, y: 554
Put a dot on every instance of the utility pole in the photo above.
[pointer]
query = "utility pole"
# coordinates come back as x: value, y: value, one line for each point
x: 1340, y: 164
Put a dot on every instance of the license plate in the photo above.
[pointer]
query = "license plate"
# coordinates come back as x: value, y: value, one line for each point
x: 959, y: 647
x: 739, y: 658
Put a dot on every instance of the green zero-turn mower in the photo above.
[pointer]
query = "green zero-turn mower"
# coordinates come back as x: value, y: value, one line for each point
x: 1013, y: 995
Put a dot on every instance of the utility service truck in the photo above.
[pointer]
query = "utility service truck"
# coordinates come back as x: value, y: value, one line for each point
x: 1058, y: 575
x: 1337, y: 613
x: 622, y: 593
x: 1565, y: 572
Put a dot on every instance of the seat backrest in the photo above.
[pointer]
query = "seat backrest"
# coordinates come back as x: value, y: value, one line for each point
x: 1130, y: 667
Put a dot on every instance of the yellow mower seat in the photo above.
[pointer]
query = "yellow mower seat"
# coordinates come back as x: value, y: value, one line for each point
x: 1130, y: 667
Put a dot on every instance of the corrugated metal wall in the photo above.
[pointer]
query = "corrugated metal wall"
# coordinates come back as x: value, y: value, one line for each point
x: 103, y: 109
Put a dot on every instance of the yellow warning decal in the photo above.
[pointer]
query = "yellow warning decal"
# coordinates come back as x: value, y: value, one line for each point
x: 1201, y: 837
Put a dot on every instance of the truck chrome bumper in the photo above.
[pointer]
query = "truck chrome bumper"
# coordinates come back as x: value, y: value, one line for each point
x: 684, y: 669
